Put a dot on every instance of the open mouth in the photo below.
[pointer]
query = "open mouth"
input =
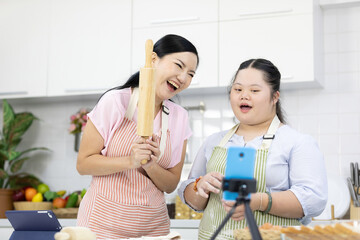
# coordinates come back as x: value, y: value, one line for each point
x: 245, y: 106
x: 173, y: 85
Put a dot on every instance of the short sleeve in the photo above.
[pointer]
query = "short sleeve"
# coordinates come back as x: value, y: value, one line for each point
x: 107, y: 115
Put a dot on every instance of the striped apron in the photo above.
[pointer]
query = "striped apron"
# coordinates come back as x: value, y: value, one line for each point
x: 127, y: 204
x: 214, y: 212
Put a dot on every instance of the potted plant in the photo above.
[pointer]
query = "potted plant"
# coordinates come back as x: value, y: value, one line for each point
x: 12, y: 160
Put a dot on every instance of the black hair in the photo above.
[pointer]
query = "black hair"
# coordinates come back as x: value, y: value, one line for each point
x: 271, y: 75
x: 168, y: 44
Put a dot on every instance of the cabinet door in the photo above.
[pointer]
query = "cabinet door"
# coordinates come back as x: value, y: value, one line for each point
x: 89, y: 46
x: 240, y: 9
x: 171, y: 12
x: 287, y: 41
x: 23, y: 48
x: 203, y: 36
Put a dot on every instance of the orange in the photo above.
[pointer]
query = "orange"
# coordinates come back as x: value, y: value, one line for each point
x: 30, y: 193
x: 59, y: 202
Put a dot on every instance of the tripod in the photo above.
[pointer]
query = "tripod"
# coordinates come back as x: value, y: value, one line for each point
x: 243, y: 187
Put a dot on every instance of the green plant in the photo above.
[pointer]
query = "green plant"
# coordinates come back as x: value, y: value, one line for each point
x: 12, y: 160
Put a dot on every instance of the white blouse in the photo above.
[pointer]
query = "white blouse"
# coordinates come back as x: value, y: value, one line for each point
x: 294, y: 162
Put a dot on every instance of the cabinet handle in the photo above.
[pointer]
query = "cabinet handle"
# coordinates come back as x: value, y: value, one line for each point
x: 14, y: 93
x: 265, y: 12
x: 80, y: 90
x: 174, y: 20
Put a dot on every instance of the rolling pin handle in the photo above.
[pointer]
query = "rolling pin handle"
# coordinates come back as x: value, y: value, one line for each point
x: 144, y: 161
x: 148, y: 53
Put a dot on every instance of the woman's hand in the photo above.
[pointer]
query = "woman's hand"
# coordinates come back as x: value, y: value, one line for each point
x: 154, y: 147
x: 211, y: 182
x: 139, y: 151
x: 239, y: 213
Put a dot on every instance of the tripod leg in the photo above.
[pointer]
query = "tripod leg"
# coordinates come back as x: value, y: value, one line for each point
x: 251, y: 222
x: 227, y: 217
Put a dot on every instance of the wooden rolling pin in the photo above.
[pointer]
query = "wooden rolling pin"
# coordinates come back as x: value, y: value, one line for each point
x: 146, y: 103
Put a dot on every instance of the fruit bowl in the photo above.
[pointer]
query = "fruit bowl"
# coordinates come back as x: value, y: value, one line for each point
x: 25, y: 205
x: 66, y: 212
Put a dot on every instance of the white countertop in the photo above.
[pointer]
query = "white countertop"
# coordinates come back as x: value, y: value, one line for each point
x: 186, y: 228
x: 174, y: 223
x: 65, y: 222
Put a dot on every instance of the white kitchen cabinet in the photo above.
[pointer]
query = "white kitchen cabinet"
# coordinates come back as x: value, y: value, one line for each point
x: 288, y: 33
x: 241, y: 9
x: 172, y: 12
x: 24, y: 30
x: 190, y: 19
x: 203, y: 36
x: 339, y: 3
x: 89, y: 46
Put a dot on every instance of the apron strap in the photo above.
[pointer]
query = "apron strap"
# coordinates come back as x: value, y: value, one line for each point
x: 267, y: 138
x: 132, y: 104
x: 164, y: 118
x: 228, y: 135
x: 270, y: 135
x: 164, y: 128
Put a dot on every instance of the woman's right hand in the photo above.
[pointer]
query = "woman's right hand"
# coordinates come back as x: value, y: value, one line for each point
x: 139, y: 151
x: 211, y: 182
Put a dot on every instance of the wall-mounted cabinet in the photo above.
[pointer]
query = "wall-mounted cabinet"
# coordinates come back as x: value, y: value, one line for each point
x: 75, y: 47
x: 24, y: 27
x: 196, y: 23
x: 63, y: 47
x: 172, y: 12
x: 288, y: 33
x: 89, y: 46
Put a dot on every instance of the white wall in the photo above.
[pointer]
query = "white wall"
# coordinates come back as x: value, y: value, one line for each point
x: 331, y: 114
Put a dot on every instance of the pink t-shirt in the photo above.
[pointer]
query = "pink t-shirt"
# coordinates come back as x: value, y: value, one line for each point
x: 109, y: 112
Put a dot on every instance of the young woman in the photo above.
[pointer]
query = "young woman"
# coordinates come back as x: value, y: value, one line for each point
x: 126, y: 198
x: 289, y: 167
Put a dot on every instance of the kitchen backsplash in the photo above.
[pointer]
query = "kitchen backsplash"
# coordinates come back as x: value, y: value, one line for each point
x: 331, y: 114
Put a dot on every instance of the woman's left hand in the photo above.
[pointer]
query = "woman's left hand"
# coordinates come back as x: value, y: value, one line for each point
x: 239, y: 213
x: 153, y: 146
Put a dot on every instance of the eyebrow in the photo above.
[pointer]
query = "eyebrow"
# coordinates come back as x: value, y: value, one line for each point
x: 251, y: 85
x: 185, y: 65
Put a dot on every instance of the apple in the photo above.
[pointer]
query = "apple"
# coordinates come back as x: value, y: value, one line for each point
x: 19, y: 195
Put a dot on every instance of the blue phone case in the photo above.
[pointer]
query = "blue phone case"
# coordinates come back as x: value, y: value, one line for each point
x: 240, y: 163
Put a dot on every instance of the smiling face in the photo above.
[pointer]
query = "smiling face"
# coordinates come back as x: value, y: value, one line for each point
x: 174, y: 73
x: 251, y: 99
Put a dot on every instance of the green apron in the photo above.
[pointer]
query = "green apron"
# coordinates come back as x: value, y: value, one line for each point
x: 214, y: 212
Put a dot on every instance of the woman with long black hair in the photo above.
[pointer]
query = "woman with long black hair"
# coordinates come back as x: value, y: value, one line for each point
x: 126, y: 198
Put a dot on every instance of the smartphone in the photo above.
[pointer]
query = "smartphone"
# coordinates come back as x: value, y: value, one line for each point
x: 240, y: 164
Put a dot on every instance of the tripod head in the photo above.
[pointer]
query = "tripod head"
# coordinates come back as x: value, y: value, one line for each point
x: 243, y: 187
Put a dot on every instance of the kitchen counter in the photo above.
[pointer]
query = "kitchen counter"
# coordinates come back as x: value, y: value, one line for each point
x: 187, y: 228
x: 65, y: 222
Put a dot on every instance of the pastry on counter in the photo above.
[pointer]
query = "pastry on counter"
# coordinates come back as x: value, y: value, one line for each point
x: 348, y: 230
